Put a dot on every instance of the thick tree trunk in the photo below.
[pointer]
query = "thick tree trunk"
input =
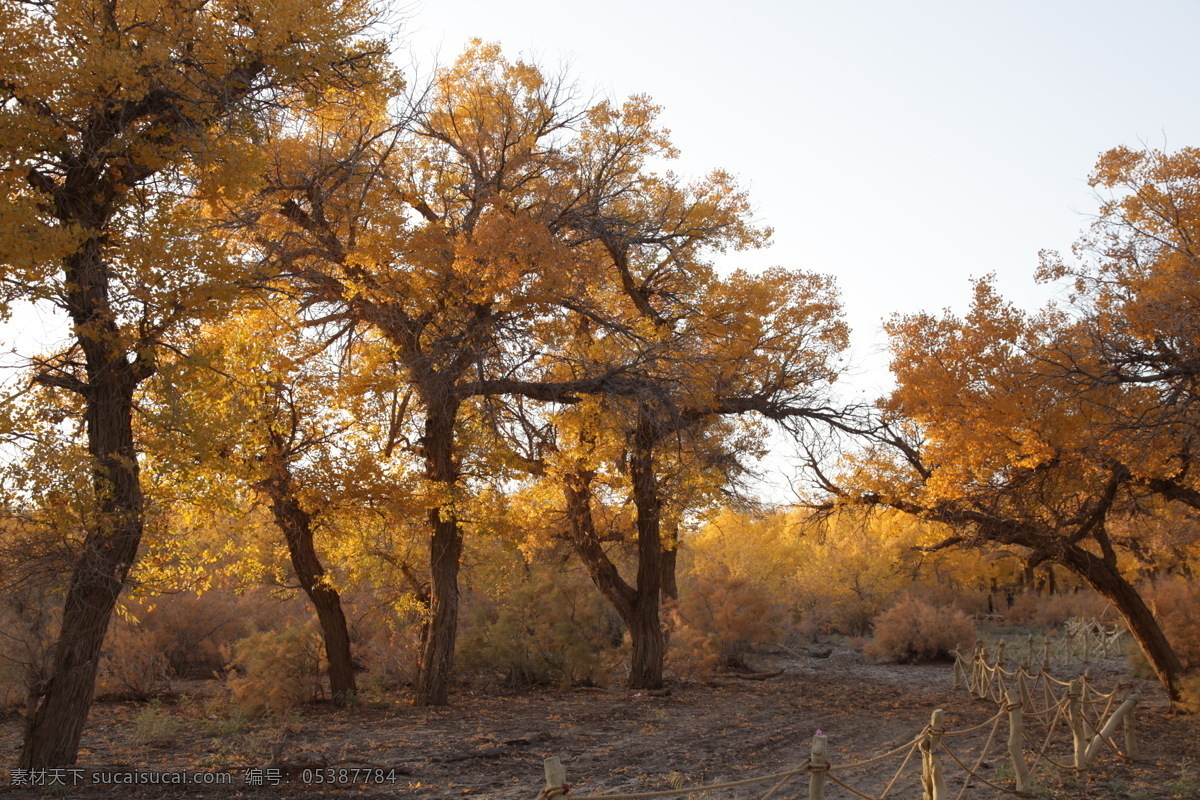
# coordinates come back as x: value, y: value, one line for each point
x: 296, y: 524
x: 638, y: 606
x: 1106, y: 579
x: 445, y: 551
x: 59, y: 708
x: 649, y: 641
x: 638, y: 609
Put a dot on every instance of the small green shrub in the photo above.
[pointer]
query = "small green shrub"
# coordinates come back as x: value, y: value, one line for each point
x: 913, y: 631
x: 1187, y: 784
x: 154, y: 727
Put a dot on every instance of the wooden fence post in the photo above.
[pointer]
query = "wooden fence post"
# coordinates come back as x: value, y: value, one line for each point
x: 973, y: 676
x: 984, y: 684
x: 1132, y: 752
x: 1016, y: 743
x: 1026, y: 695
x: 933, y: 779
x: 556, y: 778
x: 1110, y: 727
x: 1075, y: 715
x: 818, y: 765
x: 958, y: 670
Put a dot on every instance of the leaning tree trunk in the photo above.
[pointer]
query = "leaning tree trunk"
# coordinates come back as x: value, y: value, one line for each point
x: 296, y: 524
x: 445, y: 551
x: 59, y: 707
x: 1106, y: 579
x: 577, y: 491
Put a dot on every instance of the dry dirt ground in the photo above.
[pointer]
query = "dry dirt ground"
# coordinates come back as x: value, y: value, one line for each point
x: 492, y: 745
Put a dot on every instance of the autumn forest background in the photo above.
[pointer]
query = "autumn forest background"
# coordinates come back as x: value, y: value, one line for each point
x: 378, y: 387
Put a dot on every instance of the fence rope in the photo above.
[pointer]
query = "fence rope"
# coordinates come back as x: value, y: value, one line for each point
x: 973, y: 728
x: 972, y: 774
x: 900, y: 771
x: 859, y: 764
x: 983, y: 680
x: 982, y: 753
x: 1095, y: 707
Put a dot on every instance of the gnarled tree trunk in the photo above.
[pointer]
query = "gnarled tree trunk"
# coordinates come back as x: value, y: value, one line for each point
x: 296, y: 524
x: 59, y: 707
x: 1106, y: 579
x: 640, y: 605
x: 445, y: 551
x: 649, y: 639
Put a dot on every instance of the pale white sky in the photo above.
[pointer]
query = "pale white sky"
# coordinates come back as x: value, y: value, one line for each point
x: 903, y: 147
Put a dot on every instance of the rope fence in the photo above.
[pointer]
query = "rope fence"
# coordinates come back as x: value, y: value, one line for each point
x: 1026, y: 700
x: 1081, y: 639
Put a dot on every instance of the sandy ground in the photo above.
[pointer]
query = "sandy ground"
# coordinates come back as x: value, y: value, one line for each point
x: 492, y: 745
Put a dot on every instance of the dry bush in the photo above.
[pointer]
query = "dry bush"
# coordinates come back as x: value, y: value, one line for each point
x: 132, y: 665
x: 727, y: 613
x: 274, y: 671
x: 913, y: 631
x: 192, y: 628
x: 552, y: 628
x: 813, y: 623
x: 967, y: 599
x: 386, y: 643
x: 36, y: 561
x: 1189, y: 693
x: 196, y: 630
x: 1176, y: 605
x: 1055, y: 609
x: 692, y: 653
x: 27, y: 632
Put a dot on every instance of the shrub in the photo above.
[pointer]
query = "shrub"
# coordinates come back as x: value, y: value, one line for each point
x: 692, y: 652
x: 153, y: 727
x: 1176, y: 605
x: 387, y: 644
x: 913, y: 631
x: 274, y: 671
x: 27, y: 632
x: 1055, y: 609
x: 551, y: 628
x: 196, y: 630
x: 132, y: 666
x: 727, y: 613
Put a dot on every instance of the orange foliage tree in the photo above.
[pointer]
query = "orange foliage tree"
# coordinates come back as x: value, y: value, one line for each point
x: 984, y: 433
x: 101, y: 154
